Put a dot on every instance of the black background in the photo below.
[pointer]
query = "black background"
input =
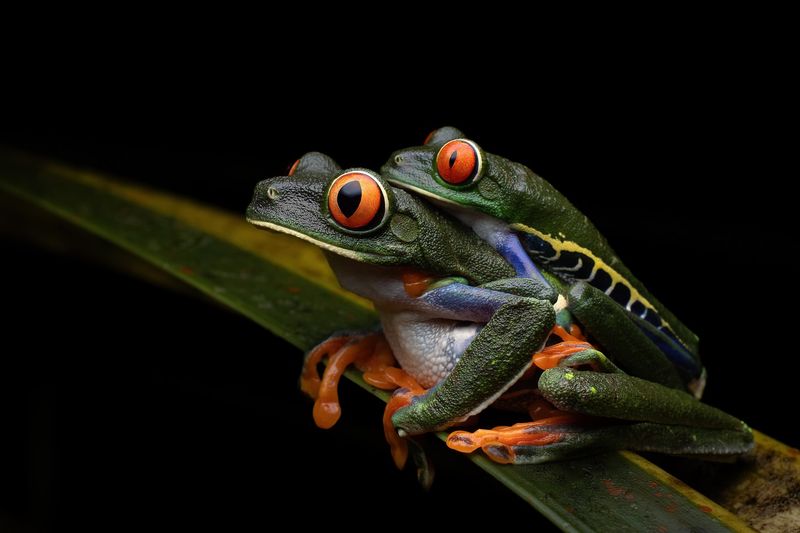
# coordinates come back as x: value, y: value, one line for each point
x: 131, y: 405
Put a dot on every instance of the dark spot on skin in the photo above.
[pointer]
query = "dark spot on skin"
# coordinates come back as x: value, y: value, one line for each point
x: 187, y: 270
x: 621, y: 294
x: 652, y: 317
x: 293, y: 290
x: 453, y: 158
x: 601, y: 281
x: 349, y: 198
x: 500, y: 452
x: 705, y: 508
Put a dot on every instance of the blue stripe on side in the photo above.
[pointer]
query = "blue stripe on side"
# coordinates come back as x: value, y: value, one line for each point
x: 511, y: 249
x: 669, y: 345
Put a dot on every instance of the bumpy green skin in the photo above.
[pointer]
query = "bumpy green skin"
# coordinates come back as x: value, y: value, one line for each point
x: 625, y: 397
x: 579, y: 440
x: 614, y: 330
x: 414, y: 235
x: 497, y: 355
x: 513, y: 193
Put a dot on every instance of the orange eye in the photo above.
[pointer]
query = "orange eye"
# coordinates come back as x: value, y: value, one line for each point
x: 356, y: 201
x: 429, y: 137
x: 458, y: 162
x: 293, y: 167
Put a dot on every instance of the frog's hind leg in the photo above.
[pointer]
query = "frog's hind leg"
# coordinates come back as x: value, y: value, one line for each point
x: 605, y: 408
x: 615, y: 330
x: 564, y: 437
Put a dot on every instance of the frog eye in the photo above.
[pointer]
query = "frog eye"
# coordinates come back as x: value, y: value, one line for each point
x: 357, y: 201
x: 459, y: 162
x: 293, y: 168
x: 429, y: 136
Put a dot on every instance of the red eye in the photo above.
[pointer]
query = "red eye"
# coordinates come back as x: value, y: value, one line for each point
x: 458, y: 162
x: 356, y: 201
x: 429, y: 137
x: 293, y: 167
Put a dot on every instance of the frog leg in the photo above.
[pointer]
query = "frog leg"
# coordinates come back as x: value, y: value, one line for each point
x: 369, y: 352
x: 616, y: 411
x: 493, y: 361
x: 572, y: 340
x: 560, y: 438
x: 618, y: 334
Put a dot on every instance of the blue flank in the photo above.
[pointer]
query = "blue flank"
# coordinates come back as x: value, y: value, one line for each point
x: 648, y: 321
x: 670, y: 346
x: 511, y: 249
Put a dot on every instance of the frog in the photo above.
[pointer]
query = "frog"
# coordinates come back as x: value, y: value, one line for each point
x: 466, y: 329
x: 544, y: 236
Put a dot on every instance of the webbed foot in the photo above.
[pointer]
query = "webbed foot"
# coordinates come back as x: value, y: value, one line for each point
x: 521, y: 443
x: 368, y: 352
x: 571, y: 343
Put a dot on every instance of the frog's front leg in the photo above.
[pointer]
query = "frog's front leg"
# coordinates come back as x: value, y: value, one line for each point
x: 500, y: 353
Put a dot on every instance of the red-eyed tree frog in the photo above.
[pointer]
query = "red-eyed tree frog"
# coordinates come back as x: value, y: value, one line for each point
x: 465, y: 327
x: 545, y: 237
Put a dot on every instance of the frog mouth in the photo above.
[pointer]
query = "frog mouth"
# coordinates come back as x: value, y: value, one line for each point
x: 389, y: 173
x: 344, y: 252
x: 439, y: 200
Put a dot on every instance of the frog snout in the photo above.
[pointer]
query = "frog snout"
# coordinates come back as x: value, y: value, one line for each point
x: 396, y: 160
x: 408, y: 161
x: 266, y: 193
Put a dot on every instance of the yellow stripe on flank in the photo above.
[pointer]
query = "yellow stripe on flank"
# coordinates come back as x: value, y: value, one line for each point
x: 727, y: 518
x: 293, y: 254
x: 569, y: 246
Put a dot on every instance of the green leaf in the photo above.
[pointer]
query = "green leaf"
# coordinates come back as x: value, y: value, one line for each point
x: 285, y: 285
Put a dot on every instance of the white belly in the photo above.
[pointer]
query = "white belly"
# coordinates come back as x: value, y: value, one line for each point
x: 427, y: 349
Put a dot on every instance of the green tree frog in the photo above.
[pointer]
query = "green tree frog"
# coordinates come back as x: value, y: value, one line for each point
x: 545, y: 237
x: 464, y: 326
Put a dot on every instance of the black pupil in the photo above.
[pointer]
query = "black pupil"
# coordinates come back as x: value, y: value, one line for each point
x: 453, y: 158
x: 349, y: 198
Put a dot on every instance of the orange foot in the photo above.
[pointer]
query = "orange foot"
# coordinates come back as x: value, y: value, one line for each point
x: 499, y: 443
x: 570, y: 344
x: 409, y: 389
x: 370, y: 353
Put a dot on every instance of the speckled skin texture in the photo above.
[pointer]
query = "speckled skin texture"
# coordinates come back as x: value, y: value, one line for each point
x: 444, y: 248
x: 625, y: 397
x: 470, y: 342
x: 502, y: 350
x: 513, y: 193
x: 618, y: 335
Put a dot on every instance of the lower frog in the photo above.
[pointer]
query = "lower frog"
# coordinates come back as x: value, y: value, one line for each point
x: 466, y: 329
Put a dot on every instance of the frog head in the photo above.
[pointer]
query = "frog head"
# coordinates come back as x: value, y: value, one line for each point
x: 355, y: 214
x: 455, y: 172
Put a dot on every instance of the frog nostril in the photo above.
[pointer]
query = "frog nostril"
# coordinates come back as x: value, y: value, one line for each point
x: 272, y: 193
x: 398, y: 160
